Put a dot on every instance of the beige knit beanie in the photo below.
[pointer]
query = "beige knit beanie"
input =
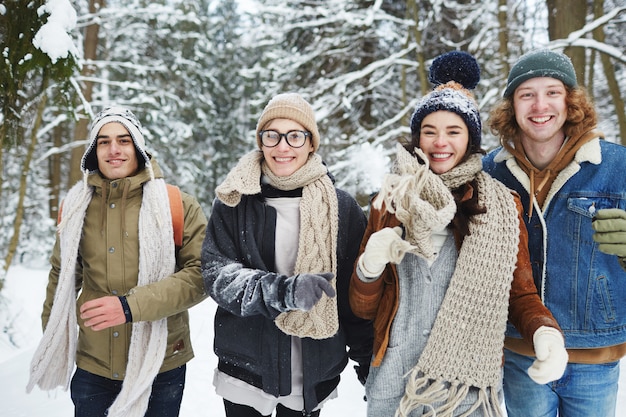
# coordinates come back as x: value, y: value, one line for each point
x: 293, y: 107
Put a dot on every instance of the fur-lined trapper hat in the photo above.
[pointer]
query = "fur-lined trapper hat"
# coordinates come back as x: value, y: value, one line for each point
x: 118, y: 114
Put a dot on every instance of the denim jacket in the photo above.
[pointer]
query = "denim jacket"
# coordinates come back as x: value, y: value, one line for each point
x: 584, y: 288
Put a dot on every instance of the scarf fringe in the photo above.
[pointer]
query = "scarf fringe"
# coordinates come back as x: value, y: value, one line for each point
x: 441, y: 401
x: 418, y: 198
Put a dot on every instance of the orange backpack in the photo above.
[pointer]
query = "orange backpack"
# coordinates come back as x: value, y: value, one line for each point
x: 176, y: 208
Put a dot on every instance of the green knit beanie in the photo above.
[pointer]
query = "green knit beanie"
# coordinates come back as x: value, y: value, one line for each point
x: 541, y: 63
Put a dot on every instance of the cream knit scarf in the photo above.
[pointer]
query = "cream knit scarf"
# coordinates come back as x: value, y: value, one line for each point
x: 317, y: 246
x: 418, y: 198
x: 53, y: 361
x: 465, y: 346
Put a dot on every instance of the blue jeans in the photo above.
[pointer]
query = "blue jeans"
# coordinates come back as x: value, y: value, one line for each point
x: 92, y: 395
x: 583, y: 390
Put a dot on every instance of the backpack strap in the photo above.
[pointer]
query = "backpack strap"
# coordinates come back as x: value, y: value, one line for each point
x: 178, y: 216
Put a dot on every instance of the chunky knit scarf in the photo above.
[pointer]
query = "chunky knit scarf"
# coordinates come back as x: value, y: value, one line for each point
x: 317, y: 245
x: 418, y: 198
x: 465, y: 346
x: 53, y: 361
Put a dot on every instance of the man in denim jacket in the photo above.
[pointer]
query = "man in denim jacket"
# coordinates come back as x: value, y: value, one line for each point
x: 573, y: 188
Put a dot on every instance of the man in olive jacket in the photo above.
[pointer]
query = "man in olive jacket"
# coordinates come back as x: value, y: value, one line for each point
x: 118, y: 273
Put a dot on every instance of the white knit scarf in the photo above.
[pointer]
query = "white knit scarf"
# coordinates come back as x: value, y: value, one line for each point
x: 53, y: 361
x: 465, y: 346
x: 317, y: 245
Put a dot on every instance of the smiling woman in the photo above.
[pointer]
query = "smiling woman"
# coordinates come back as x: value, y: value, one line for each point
x: 280, y: 227
x: 443, y: 261
x: 283, y: 158
x: 444, y: 139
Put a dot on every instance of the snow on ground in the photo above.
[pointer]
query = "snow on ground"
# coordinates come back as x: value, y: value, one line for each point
x: 25, y: 290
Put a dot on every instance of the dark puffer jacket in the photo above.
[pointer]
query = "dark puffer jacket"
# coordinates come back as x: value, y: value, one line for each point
x: 237, y: 260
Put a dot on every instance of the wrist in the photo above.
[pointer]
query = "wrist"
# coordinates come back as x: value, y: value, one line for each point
x: 550, y: 331
x: 126, y: 308
x: 369, y: 271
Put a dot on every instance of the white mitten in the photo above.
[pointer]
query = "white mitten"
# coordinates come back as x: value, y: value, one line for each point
x: 551, y: 355
x: 383, y: 246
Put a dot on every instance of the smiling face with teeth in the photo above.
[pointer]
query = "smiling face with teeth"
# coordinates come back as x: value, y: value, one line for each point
x: 444, y: 139
x: 541, y: 111
x: 115, y: 150
x: 282, y: 159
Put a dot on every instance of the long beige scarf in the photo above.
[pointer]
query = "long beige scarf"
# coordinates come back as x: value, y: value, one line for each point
x: 317, y: 245
x: 464, y: 349
x: 53, y: 361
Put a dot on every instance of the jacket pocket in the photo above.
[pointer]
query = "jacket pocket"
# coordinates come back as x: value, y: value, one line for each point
x: 588, y: 205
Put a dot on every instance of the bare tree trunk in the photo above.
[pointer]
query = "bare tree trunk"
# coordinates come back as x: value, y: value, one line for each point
x: 565, y: 17
x: 19, y: 212
x: 90, y: 52
x: 54, y: 173
x: 503, y: 36
x: 417, y: 35
x: 609, y: 72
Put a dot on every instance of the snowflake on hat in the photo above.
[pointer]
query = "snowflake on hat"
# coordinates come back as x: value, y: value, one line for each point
x: 454, y: 74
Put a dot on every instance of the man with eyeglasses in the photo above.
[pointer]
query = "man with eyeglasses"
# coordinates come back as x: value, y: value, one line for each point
x: 277, y: 258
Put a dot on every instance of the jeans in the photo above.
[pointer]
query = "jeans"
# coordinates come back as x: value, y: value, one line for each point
x: 92, y: 395
x: 583, y: 390
x: 238, y: 410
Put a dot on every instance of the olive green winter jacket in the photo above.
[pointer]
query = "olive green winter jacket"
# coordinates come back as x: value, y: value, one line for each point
x: 108, y: 262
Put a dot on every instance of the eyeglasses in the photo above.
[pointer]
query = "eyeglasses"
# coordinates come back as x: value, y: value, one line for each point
x: 294, y: 138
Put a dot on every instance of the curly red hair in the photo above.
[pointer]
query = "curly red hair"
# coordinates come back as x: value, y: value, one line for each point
x: 581, y: 116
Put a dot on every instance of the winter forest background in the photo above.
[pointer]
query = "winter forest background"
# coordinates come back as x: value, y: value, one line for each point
x: 198, y: 72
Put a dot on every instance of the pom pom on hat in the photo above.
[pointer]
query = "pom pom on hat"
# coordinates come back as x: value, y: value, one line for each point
x: 541, y: 63
x: 290, y: 106
x: 121, y: 115
x: 456, y: 66
x: 454, y: 73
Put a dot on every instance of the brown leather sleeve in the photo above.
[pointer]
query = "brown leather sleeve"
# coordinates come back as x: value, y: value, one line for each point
x: 377, y: 300
x: 365, y: 296
x: 526, y: 310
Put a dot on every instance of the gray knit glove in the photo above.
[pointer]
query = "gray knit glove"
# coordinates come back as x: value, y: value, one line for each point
x: 305, y: 290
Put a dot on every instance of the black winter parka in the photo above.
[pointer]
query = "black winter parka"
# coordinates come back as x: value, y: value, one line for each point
x: 237, y: 265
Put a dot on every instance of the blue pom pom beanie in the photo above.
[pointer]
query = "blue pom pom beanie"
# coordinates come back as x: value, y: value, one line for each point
x: 454, y: 74
x: 541, y: 63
